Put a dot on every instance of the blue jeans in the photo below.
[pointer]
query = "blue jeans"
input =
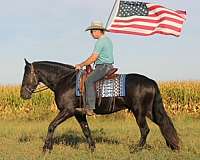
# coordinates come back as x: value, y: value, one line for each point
x: 99, y: 73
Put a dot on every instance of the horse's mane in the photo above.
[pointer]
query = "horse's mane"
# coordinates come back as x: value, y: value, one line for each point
x: 48, y: 64
x: 54, y: 64
x: 59, y: 68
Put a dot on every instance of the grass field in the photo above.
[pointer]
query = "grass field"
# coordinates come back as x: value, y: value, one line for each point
x: 23, y: 128
x: 23, y: 140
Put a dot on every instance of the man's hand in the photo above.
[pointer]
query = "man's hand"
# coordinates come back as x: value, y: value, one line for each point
x: 78, y: 67
x: 88, y: 61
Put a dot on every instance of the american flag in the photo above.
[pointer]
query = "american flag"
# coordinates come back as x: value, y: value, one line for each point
x: 144, y: 19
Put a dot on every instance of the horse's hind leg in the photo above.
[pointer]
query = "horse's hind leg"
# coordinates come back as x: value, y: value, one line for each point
x: 86, y: 130
x: 143, y: 126
x: 61, y: 117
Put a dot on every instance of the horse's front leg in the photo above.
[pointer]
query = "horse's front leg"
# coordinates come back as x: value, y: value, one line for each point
x: 86, y: 130
x: 61, y: 117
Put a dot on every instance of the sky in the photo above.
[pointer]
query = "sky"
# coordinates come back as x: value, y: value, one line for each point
x: 54, y: 31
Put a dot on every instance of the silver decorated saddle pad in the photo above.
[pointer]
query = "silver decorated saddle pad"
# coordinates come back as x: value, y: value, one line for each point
x: 106, y: 87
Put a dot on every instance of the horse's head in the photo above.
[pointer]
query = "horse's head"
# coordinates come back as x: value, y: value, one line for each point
x: 30, y: 81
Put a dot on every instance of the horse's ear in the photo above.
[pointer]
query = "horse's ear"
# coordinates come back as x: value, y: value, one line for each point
x: 27, y: 63
x: 32, y: 69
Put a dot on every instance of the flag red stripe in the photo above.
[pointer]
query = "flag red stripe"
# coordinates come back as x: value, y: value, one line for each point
x: 148, y: 20
x: 163, y: 12
x: 170, y: 27
x: 134, y: 26
x: 155, y: 7
x: 148, y: 27
x: 158, y: 6
x: 171, y: 11
x: 140, y: 33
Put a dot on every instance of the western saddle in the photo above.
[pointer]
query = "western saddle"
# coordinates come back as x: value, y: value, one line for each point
x: 110, y: 75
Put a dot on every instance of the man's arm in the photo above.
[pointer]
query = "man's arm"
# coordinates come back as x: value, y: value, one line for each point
x: 88, y: 61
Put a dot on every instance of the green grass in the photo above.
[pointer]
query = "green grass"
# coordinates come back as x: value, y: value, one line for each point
x: 23, y: 140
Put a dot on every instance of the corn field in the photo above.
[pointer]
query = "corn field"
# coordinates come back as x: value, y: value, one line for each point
x: 178, y: 96
x: 181, y: 97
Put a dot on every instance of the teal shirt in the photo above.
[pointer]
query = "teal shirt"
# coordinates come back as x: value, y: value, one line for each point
x: 104, y: 48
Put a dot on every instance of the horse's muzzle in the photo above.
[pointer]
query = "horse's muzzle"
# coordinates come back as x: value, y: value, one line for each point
x: 25, y: 94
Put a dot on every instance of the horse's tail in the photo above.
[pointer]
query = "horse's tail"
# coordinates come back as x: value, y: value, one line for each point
x: 161, y: 118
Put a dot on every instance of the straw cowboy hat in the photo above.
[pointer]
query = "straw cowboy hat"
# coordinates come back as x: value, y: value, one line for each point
x: 96, y: 25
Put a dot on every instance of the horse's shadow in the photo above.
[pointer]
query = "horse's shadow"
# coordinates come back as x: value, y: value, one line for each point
x: 72, y: 138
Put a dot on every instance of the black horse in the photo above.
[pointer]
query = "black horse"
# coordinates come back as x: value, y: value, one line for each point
x: 143, y: 99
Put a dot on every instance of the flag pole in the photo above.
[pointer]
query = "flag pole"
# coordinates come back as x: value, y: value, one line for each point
x: 111, y: 13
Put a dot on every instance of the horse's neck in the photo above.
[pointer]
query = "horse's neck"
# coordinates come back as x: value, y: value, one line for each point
x: 51, y: 80
x: 50, y: 83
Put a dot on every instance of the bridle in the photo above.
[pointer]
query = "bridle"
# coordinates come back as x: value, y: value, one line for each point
x: 40, y: 89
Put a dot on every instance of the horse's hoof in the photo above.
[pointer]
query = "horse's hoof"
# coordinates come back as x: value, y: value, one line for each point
x: 92, y: 148
x: 174, y: 147
x: 46, y: 150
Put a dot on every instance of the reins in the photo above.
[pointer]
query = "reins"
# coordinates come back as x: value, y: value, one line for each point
x: 40, y: 89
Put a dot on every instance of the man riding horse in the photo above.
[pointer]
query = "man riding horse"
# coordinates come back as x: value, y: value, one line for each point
x: 142, y: 95
x: 102, y: 57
